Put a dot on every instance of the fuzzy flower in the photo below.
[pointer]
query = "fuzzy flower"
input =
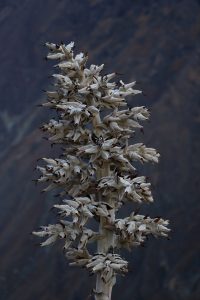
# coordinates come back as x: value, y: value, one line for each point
x: 136, y: 189
x: 96, y: 173
x: 133, y: 231
x: 107, y: 265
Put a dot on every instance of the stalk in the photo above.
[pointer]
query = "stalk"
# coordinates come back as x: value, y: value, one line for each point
x: 104, y: 289
x: 96, y: 173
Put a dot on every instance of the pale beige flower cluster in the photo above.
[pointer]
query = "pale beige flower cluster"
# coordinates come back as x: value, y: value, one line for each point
x: 96, y: 174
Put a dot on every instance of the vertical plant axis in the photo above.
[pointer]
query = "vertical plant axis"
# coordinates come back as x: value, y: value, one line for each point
x: 95, y: 175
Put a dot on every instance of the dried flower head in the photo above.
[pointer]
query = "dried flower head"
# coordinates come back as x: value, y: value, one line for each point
x: 96, y: 174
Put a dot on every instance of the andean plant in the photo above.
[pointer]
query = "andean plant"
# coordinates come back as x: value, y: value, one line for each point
x: 95, y: 175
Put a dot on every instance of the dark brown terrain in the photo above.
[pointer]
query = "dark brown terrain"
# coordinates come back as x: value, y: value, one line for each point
x: 154, y: 42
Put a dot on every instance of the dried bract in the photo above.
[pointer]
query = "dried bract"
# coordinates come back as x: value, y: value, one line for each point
x: 95, y: 175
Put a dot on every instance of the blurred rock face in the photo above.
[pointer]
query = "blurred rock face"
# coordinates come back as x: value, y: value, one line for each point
x: 155, y: 43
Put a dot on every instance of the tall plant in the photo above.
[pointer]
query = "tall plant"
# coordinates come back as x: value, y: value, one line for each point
x: 95, y: 175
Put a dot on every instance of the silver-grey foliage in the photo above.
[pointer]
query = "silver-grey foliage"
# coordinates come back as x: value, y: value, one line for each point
x: 96, y: 174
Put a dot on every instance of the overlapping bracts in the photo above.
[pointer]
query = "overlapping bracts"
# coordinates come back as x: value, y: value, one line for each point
x: 96, y: 174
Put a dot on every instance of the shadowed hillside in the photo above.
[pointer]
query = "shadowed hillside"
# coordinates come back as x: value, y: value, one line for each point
x: 154, y: 42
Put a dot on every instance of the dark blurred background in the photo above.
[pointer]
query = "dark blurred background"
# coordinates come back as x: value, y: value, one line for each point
x: 154, y: 42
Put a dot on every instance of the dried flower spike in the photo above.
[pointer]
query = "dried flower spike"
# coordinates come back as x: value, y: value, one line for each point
x: 96, y: 174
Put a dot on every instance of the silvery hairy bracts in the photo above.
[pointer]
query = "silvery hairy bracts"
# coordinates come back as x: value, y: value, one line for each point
x: 96, y: 175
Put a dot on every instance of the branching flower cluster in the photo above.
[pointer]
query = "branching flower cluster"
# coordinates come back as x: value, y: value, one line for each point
x: 95, y: 175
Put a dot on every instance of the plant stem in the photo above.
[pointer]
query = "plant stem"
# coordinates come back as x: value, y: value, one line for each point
x: 104, y: 289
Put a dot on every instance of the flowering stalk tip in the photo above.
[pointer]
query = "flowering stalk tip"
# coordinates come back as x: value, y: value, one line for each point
x: 95, y: 174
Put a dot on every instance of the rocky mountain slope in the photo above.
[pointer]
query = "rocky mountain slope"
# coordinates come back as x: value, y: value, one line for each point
x: 154, y: 42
